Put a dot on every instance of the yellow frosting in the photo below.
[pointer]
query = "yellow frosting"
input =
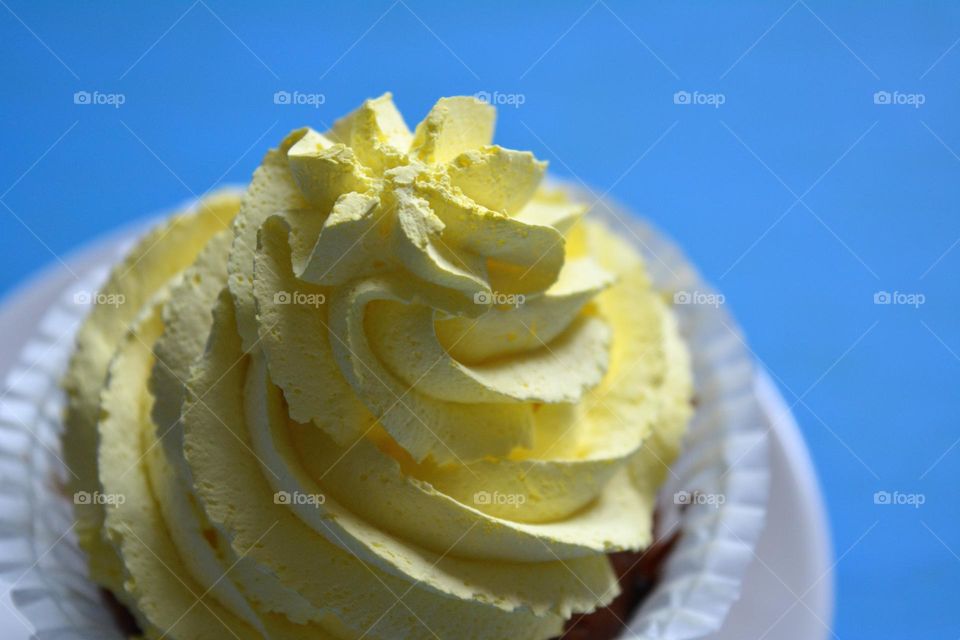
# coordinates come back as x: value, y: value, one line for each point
x: 398, y: 389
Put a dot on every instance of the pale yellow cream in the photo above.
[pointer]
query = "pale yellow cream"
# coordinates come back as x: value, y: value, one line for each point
x: 397, y: 389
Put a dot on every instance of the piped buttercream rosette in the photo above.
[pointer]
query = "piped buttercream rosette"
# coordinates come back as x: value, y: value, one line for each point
x: 397, y: 390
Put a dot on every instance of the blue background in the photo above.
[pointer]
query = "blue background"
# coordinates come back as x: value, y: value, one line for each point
x: 799, y: 196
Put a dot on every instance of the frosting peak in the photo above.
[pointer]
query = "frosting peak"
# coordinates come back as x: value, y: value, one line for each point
x: 440, y: 203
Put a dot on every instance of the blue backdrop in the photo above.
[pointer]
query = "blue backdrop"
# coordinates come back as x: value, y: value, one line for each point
x: 804, y: 154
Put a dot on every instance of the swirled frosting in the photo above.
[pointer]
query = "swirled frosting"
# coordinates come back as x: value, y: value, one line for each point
x: 396, y: 389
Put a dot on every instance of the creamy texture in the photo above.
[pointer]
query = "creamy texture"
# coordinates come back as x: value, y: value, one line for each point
x: 397, y: 389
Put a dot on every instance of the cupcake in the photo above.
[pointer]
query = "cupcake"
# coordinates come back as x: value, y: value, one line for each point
x: 398, y: 388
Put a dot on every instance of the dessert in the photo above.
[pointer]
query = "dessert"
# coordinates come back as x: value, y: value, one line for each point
x: 396, y: 389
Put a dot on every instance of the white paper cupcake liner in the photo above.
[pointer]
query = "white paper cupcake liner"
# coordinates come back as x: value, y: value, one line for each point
x: 722, y: 471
